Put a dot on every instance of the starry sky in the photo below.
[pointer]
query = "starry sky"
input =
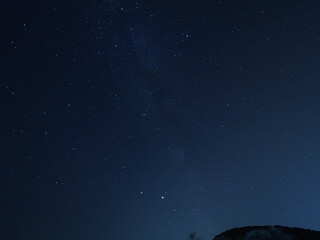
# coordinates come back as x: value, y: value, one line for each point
x: 152, y: 119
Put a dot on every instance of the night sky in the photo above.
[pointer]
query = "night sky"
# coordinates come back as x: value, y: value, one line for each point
x: 152, y: 119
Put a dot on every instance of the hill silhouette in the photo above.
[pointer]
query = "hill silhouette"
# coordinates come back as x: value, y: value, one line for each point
x: 268, y: 233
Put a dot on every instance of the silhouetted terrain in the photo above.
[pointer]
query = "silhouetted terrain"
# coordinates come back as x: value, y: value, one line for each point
x: 268, y: 233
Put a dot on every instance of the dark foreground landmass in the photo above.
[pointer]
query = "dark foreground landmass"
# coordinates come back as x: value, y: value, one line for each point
x: 268, y: 233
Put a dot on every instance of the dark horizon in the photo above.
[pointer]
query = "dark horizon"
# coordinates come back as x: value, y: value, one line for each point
x: 151, y: 120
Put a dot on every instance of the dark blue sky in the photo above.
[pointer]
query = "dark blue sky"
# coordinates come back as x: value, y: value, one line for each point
x: 152, y: 119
